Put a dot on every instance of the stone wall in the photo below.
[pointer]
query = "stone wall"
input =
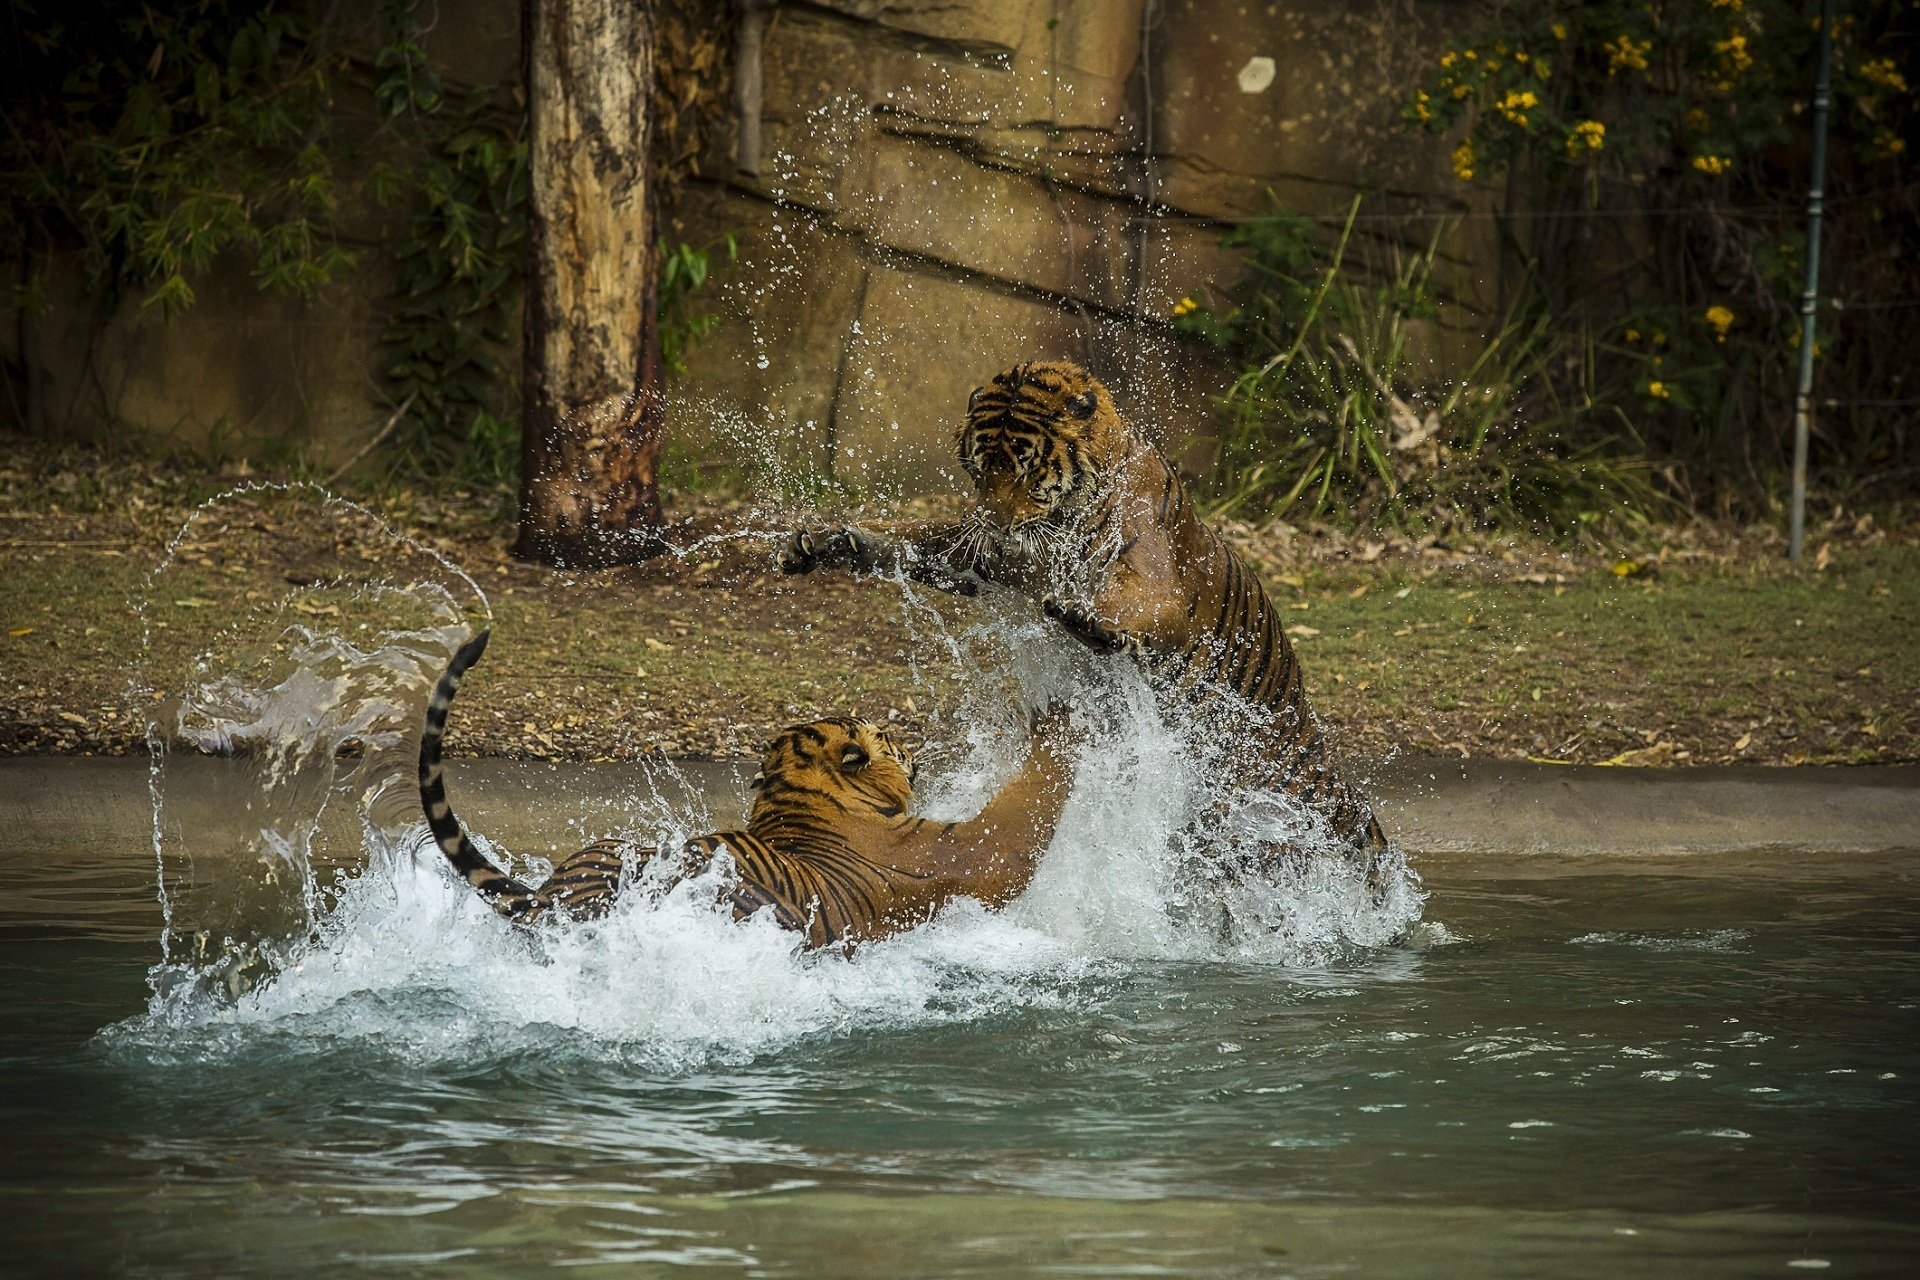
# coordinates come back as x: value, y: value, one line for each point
x: 949, y: 186
x: 942, y: 188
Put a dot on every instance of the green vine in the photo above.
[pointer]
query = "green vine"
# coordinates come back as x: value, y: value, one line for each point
x: 153, y: 140
x: 153, y: 144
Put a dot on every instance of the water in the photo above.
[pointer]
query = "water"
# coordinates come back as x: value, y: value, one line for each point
x: 262, y: 1030
x: 1702, y: 1066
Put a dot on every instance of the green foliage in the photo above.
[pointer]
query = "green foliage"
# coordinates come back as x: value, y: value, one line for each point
x: 684, y: 270
x: 156, y: 139
x: 1667, y: 146
x: 457, y: 296
x: 1693, y: 89
x: 1333, y: 416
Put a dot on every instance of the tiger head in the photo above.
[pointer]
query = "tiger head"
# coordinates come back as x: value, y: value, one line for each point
x: 1036, y: 440
x: 849, y: 763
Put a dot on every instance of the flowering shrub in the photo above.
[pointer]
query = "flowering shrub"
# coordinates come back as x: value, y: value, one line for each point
x: 1650, y: 159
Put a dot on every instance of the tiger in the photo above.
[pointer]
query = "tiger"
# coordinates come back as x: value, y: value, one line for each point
x: 829, y: 850
x: 1089, y: 520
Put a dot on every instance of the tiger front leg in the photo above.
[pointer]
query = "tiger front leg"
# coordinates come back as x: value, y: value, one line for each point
x: 863, y: 552
x: 1089, y: 630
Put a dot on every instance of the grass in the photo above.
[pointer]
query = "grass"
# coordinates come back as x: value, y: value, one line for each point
x: 1725, y: 664
x: 1721, y: 660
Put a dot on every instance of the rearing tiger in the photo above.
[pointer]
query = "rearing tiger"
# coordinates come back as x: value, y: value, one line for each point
x: 1091, y: 521
x: 829, y: 849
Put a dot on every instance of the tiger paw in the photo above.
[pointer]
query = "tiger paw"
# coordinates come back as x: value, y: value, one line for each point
x: 1087, y: 629
x: 808, y: 550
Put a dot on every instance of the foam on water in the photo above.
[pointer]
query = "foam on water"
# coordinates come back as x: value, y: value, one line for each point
x: 317, y: 912
x: 404, y: 960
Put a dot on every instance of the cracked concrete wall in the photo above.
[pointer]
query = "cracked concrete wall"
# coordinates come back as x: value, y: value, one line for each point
x: 986, y: 181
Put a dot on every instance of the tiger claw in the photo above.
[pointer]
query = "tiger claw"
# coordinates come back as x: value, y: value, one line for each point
x: 1087, y: 629
x: 804, y: 553
x: 798, y: 555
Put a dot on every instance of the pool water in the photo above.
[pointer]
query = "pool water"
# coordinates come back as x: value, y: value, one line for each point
x: 1696, y: 1066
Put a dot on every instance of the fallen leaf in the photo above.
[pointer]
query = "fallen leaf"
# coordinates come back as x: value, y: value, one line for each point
x: 194, y: 602
x: 71, y: 718
x: 1302, y: 631
x: 1744, y: 741
x: 1357, y: 592
x: 1823, y: 557
x: 1642, y: 757
x: 643, y: 673
x: 1403, y: 593
x: 1548, y: 760
x: 21, y: 631
x: 658, y: 645
x: 1293, y: 580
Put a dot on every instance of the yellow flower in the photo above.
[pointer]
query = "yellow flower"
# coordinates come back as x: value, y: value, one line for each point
x: 1889, y: 144
x: 1658, y: 390
x: 1632, y: 335
x: 1733, y: 51
x: 1421, y: 111
x: 1882, y: 72
x: 1460, y: 91
x: 1659, y: 338
x: 1519, y: 55
x: 1721, y: 318
x: 1184, y: 306
x: 1463, y: 160
x: 1697, y: 119
x: 1626, y: 52
x: 1712, y: 164
x: 1448, y: 58
x: 1515, y: 105
x: 1559, y: 30
x: 1735, y: 5
x: 1588, y: 135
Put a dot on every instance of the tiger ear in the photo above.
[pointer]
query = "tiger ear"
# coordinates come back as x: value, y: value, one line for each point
x: 853, y: 758
x: 1083, y: 405
x: 759, y: 780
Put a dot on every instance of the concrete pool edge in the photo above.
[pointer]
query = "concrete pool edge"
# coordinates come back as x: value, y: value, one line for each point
x: 1431, y: 807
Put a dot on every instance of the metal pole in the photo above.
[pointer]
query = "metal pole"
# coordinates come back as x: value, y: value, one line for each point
x: 1816, y: 196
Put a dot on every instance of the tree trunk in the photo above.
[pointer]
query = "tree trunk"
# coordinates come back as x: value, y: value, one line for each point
x: 590, y: 440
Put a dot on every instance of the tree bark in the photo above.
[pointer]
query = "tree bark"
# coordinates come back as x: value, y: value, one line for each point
x: 590, y: 439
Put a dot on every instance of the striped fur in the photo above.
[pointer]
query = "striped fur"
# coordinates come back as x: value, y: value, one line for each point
x: 580, y: 888
x: 829, y: 849
x: 1093, y: 523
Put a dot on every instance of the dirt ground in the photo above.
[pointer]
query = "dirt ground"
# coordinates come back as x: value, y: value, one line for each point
x: 1674, y: 646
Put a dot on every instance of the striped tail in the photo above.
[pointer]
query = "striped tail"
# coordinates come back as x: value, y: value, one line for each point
x: 505, y: 894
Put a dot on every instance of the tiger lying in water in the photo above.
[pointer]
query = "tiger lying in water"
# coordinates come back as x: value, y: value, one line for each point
x: 829, y: 849
x: 1080, y: 514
